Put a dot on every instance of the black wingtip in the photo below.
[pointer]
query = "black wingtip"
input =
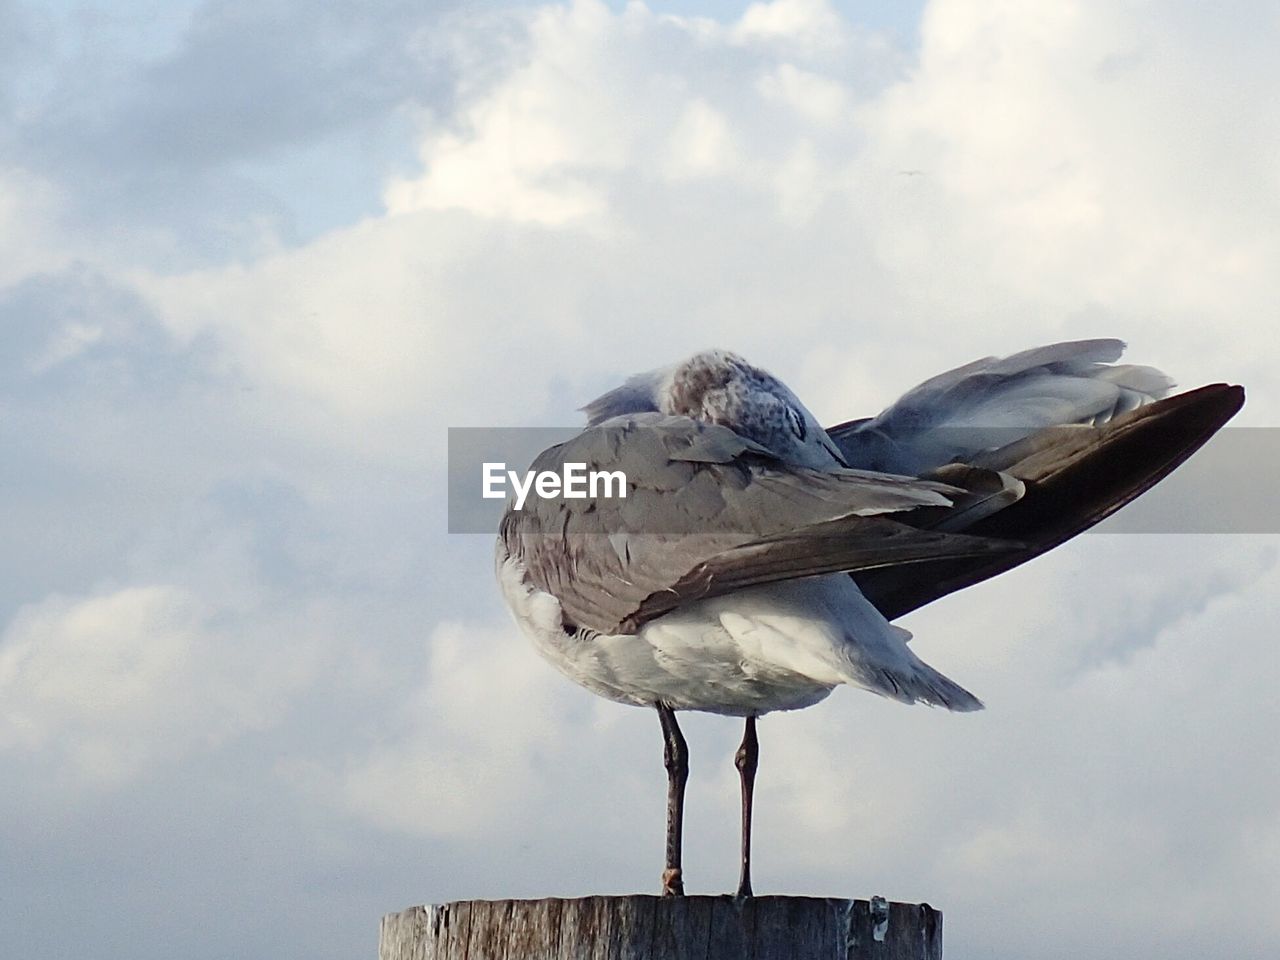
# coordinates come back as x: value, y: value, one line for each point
x: 1197, y: 414
x: 1132, y: 454
x: 1225, y: 399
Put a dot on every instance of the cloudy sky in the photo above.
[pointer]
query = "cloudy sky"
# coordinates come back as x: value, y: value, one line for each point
x: 256, y: 257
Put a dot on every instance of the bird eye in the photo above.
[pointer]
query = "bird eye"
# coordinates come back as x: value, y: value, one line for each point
x: 797, y: 422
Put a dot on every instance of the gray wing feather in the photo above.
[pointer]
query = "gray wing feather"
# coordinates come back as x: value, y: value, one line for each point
x: 634, y: 396
x: 993, y: 402
x: 706, y: 512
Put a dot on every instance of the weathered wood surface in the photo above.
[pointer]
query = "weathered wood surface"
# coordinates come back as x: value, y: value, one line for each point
x: 657, y: 928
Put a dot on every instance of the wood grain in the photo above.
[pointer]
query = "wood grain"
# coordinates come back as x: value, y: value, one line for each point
x: 657, y: 928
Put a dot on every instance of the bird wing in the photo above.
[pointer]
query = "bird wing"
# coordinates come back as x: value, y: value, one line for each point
x: 707, y: 511
x: 1071, y: 477
x: 993, y: 402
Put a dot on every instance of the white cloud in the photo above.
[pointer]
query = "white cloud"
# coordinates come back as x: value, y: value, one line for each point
x: 615, y: 189
x: 700, y: 144
x: 29, y: 242
x: 597, y: 95
x: 1085, y: 157
x: 525, y: 144
x: 824, y: 101
x: 806, y: 26
x: 477, y: 726
x: 529, y: 228
x: 1040, y: 174
x: 108, y: 685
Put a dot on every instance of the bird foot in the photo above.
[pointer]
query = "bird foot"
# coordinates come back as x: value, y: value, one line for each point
x: 672, y: 882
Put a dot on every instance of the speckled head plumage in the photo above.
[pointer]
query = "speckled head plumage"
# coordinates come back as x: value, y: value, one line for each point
x: 711, y: 385
x: 721, y: 387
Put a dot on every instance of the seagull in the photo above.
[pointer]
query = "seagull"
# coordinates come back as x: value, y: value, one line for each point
x: 755, y: 560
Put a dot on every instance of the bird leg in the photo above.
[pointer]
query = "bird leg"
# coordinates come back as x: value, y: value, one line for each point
x: 746, y: 760
x: 675, y: 757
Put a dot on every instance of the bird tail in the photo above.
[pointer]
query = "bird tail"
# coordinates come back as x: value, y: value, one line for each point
x: 890, y: 669
x: 916, y: 683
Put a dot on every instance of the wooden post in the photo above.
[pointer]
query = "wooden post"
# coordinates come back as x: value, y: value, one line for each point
x: 664, y: 928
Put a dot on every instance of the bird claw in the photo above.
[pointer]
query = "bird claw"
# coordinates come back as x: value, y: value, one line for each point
x: 672, y: 882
